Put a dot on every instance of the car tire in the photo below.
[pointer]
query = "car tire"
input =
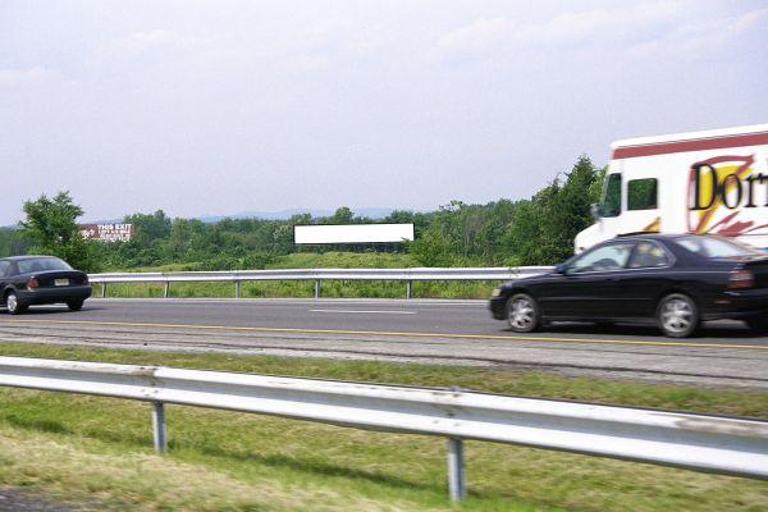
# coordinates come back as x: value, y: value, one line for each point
x: 678, y: 315
x: 13, y: 304
x: 758, y: 324
x: 523, y: 314
x: 75, y: 305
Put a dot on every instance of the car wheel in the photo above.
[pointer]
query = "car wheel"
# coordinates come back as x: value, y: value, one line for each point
x: 523, y: 313
x: 678, y: 315
x: 75, y: 305
x: 757, y: 323
x: 14, y: 305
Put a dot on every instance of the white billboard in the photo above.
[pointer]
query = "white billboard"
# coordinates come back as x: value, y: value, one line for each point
x: 352, y: 233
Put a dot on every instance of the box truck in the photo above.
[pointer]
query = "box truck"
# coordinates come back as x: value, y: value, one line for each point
x: 712, y: 181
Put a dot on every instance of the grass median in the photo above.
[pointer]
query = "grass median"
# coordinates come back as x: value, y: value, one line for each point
x: 89, y: 448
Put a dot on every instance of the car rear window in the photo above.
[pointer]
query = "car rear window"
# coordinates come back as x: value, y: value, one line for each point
x: 714, y: 247
x: 41, y: 265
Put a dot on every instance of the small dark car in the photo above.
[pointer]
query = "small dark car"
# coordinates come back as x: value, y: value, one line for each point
x: 31, y: 280
x: 678, y: 281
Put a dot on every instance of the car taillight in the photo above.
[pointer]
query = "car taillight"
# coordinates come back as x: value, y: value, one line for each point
x: 741, y: 279
x: 32, y: 284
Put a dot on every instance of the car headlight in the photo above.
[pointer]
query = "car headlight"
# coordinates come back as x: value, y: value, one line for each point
x: 496, y: 292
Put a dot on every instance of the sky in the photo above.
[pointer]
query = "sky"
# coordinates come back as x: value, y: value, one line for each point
x: 219, y: 107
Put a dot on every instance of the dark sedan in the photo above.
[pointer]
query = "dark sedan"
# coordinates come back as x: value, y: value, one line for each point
x: 678, y: 281
x: 31, y: 280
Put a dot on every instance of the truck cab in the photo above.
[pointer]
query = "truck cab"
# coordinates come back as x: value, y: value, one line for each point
x: 713, y: 181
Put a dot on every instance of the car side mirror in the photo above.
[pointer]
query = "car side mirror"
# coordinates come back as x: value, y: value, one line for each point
x: 561, y: 268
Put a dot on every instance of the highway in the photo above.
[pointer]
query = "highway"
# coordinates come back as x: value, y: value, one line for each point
x: 425, y: 331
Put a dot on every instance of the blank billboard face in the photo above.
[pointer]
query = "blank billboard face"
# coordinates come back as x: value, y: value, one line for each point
x: 353, y: 233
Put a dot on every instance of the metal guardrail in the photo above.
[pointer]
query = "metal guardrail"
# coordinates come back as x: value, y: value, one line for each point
x: 409, y: 275
x: 715, y: 444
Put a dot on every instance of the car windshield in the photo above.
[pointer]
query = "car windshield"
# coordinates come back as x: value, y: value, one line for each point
x: 27, y: 266
x: 715, y: 247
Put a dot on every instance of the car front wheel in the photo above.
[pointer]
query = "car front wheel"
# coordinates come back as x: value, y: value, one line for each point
x: 14, y: 305
x: 523, y: 313
x: 678, y: 315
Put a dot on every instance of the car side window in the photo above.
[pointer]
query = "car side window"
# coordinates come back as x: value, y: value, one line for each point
x: 5, y: 267
x: 648, y: 255
x: 609, y: 257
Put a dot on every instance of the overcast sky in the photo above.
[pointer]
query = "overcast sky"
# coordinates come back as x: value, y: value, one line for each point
x: 223, y: 106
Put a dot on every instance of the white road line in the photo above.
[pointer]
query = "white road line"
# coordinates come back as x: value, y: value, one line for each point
x: 370, y: 312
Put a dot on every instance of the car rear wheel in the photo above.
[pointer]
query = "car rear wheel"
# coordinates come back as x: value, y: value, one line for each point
x: 523, y: 313
x: 678, y: 315
x: 14, y: 305
x: 757, y: 323
x: 75, y: 305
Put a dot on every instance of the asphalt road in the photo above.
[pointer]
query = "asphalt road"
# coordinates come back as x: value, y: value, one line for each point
x: 442, y: 332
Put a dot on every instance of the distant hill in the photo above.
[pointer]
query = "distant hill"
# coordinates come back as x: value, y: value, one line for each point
x: 372, y: 213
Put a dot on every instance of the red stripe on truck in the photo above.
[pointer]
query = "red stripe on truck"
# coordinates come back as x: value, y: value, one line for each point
x: 662, y: 148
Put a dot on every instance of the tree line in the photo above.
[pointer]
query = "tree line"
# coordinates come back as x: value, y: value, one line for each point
x: 535, y: 231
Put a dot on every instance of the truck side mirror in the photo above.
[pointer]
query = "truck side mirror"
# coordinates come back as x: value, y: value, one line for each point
x: 594, y: 209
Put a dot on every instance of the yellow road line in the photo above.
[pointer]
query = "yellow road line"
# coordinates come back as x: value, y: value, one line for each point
x: 395, y: 333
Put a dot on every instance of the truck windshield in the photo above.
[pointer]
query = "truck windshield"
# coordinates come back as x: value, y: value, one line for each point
x: 610, y: 206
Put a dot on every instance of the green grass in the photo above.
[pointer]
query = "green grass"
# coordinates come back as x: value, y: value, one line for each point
x: 304, y: 289
x: 344, y: 260
x: 79, y: 447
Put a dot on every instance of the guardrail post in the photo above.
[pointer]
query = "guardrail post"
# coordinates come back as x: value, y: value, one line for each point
x: 457, y: 485
x: 237, y: 289
x: 167, y: 291
x: 158, y: 426
x: 103, y: 290
x: 409, y: 289
x: 317, y: 288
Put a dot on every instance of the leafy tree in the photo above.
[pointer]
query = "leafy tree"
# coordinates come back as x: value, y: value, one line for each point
x: 149, y: 227
x: 51, y: 226
x: 13, y: 242
x: 343, y: 215
x: 433, y: 250
x: 542, y: 230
